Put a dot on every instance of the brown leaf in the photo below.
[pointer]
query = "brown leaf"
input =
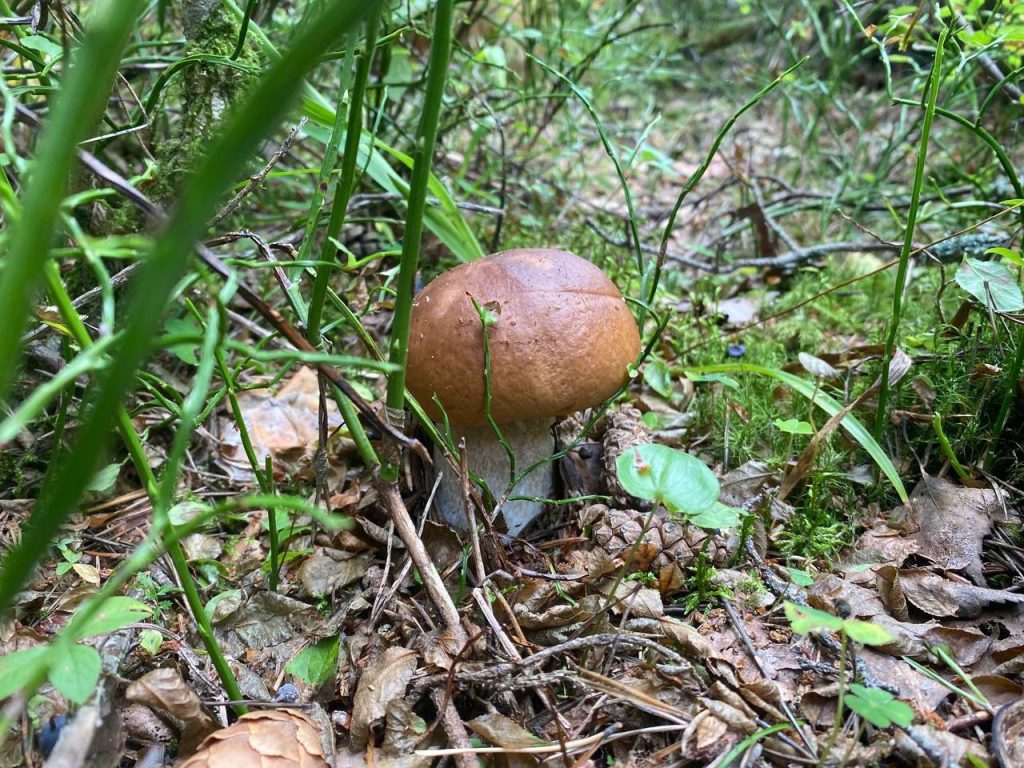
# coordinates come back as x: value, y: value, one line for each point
x: 282, y: 424
x: 952, y: 522
x: 640, y: 603
x: 942, y: 597
x: 502, y: 731
x: 327, y: 570
x: 891, y: 590
x: 165, y: 691
x: 382, y: 681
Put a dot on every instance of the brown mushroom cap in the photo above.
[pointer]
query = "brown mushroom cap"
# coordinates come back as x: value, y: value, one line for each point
x: 562, y: 339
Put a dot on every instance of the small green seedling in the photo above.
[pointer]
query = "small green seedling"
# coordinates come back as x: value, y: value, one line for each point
x: 71, y: 667
x: 794, y: 427
x: 679, y: 481
x: 878, y: 707
x: 804, y: 619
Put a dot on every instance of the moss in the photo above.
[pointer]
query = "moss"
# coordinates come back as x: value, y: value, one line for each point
x: 207, y: 91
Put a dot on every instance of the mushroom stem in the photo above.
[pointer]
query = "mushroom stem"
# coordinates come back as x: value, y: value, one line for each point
x: 530, y: 441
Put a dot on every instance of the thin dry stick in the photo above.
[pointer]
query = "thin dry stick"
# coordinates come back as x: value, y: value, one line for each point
x: 257, y: 178
x: 428, y: 571
x: 454, y: 729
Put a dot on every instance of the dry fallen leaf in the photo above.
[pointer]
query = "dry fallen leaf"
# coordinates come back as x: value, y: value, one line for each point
x: 382, y: 681
x: 282, y: 424
x: 952, y: 522
x: 165, y: 691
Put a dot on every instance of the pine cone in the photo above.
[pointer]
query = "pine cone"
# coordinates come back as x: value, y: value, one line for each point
x: 278, y: 737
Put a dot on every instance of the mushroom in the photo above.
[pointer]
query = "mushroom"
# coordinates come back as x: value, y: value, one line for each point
x: 561, y: 341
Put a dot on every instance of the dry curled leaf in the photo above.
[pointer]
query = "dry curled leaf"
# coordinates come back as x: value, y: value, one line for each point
x: 165, y: 691
x: 279, y: 737
x: 383, y: 681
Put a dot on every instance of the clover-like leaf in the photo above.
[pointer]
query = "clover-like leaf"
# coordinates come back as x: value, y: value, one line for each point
x: 878, y: 707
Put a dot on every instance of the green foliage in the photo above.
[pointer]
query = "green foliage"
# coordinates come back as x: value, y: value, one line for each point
x: 805, y: 619
x: 992, y: 284
x: 676, y: 479
x: 315, y: 665
x: 878, y: 707
x: 71, y: 667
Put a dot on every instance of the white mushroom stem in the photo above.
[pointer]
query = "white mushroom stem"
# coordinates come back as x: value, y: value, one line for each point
x: 530, y: 441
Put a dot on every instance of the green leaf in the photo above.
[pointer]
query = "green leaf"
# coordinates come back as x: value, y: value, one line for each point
x: 184, y: 352
x: 866, y: 633
x: 660, y: 473
x: 992, y: 283
x: 718, y: 517
x: 315, y: 665
x: 712, y: 378
x: 20, y: 668
x: 75, y: 672
x: 794, y: 427
x: 799, y: 577
x: 659, y: 378
x: 804, y: 619
x: 151, y: 640
x: 115, y: 613
x: 104, y: 479
x: 43, y: 45
x: 1009, y: 254
x: 878, y: 707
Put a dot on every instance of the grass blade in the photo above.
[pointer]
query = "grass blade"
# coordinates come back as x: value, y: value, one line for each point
x: 82, y: 98
x: 253, y: 119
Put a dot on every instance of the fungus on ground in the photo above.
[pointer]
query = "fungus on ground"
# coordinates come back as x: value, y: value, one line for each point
x: 561, y: 340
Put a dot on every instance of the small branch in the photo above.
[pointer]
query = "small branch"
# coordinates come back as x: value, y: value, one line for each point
x: 428, y: 571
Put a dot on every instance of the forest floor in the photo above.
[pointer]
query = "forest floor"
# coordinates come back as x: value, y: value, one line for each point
x: 867, y: 610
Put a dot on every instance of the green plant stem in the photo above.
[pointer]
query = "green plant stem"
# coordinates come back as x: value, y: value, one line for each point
x: 931, y: 96
x: 273, y: 535
x: 947, y: 449
x: 250, y: 121
x: 1009, y: 396
x: 82, y: 98
x: 353, y: 129
x: 841, y: 680
x: 154, y: 490
x: 437, y: 71
x: 339, y: 208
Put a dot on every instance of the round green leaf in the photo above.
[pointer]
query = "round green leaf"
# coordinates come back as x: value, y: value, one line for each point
x: 991, y: 283
x: 676, y: 478
x: 716, y: 517
x: 75, y: 672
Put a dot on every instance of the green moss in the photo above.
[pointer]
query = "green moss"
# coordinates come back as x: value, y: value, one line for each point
x: 206, y: 91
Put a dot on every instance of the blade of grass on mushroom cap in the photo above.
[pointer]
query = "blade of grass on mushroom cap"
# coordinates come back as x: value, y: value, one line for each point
x: 80, y: 101
x: 253, y: 119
